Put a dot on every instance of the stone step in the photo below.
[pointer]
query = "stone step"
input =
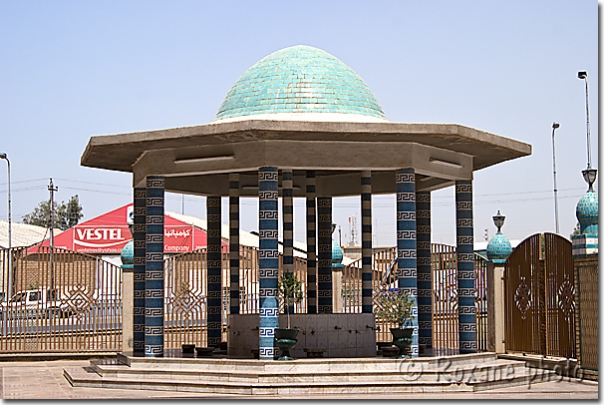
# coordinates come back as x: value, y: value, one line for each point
x: 87, y: 377
x: 408, y: 371
x: 301, y: 365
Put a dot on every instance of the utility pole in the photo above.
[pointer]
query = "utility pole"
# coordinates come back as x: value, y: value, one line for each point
x: 52, y: 190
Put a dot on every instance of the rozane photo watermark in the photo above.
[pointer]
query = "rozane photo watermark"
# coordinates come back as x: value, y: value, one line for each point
x: 446, y: 370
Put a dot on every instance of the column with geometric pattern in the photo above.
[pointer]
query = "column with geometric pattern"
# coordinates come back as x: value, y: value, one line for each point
x: 424, y: 268
x: 311, y: 242
x: 465, y: 266
x: 234, y: 243
x: 268, y: 218
x: 288, y: 223
x: 139, y: 230
x: 367, y: 249
x: 214, y: 266
x: 154, y: 274
x: 324, y: 284
x: 407, y: 243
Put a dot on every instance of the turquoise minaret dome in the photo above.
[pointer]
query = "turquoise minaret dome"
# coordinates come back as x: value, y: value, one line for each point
x: 300, y: 80
x: 337, y: 254
x: 587, y: 213
x: 127, y: 255
x: 499, y: 248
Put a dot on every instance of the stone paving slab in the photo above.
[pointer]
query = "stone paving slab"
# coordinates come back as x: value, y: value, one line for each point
x: 45, y: 380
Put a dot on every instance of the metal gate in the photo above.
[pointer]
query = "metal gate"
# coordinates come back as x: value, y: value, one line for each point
x: 59, y: 301
x: 540, y: 297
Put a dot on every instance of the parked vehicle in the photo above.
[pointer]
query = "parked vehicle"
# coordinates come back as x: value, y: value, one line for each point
x: 37, y: 303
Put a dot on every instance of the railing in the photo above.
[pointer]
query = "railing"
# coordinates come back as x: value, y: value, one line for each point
x: 445, y: 317
x: 586, y: 269
x: 60, y: 301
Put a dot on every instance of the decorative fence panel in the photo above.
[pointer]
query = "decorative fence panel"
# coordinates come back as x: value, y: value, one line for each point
x: 59, y: 301
x: 586, y: 281
x: 445, y: 317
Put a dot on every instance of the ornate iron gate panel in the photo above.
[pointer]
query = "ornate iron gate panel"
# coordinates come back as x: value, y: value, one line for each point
x: 445, y: 317
x: 185, y: 283
x: 560, y: 295
x: 540, y: 297
x: 59, y: 301
x: 587, y: 322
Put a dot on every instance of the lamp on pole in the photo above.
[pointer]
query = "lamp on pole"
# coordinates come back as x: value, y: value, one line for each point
x: 10, y: 239
x: 589, y: 174
x: 555, y: 126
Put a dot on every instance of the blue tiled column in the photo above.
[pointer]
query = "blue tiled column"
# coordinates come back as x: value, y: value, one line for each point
x: 154, y: 275
x: 268, y: 182
x: 324, y: 285
x: 214, y: 258
x: 407, y: 243
x: 288, y: 223
x: 367, y: 248
x: 465, y: 266
x: 139, y: 231
x: 234, y: 243
x: 424, y: 268
x: 311, y: 242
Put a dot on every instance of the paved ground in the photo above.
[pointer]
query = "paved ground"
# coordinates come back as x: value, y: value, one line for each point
x: 44, y: 380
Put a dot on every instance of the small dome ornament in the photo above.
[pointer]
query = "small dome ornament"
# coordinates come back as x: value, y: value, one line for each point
x: 587, y: 207
x: 337, y: 254
x: 499, y: 248
x: 127, y: 255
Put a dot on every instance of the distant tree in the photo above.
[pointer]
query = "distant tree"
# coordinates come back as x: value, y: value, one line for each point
x: 576, y: 231
x: 66, y: 214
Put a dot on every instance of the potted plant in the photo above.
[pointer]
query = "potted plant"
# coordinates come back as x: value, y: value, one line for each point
x: 396, y: 306
x: 289, y: 292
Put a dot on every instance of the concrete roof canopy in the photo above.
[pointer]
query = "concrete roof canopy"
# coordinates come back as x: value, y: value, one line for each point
x: 301, y: 108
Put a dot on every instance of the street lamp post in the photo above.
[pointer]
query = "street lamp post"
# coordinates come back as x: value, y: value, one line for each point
x: 555, y: 125
x: 589, y: 174
x: 10, y: 238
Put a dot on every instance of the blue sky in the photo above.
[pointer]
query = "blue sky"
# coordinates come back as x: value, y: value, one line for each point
x: 74, y: 69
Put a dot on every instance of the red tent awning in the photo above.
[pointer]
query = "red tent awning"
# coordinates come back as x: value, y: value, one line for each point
x: 109, y: 233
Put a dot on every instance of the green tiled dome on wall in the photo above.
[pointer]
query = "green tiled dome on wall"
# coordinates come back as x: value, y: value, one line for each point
x: 299, y: 79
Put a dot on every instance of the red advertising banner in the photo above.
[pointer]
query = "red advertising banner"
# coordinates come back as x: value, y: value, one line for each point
x: 109, y: 233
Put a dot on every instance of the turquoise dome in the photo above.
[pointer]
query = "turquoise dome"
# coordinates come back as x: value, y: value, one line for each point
x: 127, y: 255
x: 337, y: 254
x: 499, y: 248
x: 587, y: 213
x: 299, y: 79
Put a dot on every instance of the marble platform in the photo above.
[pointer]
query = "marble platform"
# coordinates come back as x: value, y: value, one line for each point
x: 461, y: 373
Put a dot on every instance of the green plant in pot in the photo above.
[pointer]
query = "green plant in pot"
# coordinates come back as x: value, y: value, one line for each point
x: 289, y: 292
x: 396, y: 306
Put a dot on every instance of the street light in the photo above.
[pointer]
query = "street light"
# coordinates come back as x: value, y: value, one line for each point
x: 555, y: 126
x: 10, y: 240
x: 589, y: 174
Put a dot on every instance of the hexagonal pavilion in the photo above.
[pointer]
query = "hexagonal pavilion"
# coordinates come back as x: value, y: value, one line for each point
x: 300, y: 123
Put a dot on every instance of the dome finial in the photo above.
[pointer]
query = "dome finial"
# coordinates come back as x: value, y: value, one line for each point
x: 499, y: 248
x: 498, y: 220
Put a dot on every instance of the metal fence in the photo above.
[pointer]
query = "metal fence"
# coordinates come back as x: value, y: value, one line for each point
x: 186, y: 285
x: 586, y: 281
x: 59, y: 301
x: 67, y: 301
x: 445, y: 316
